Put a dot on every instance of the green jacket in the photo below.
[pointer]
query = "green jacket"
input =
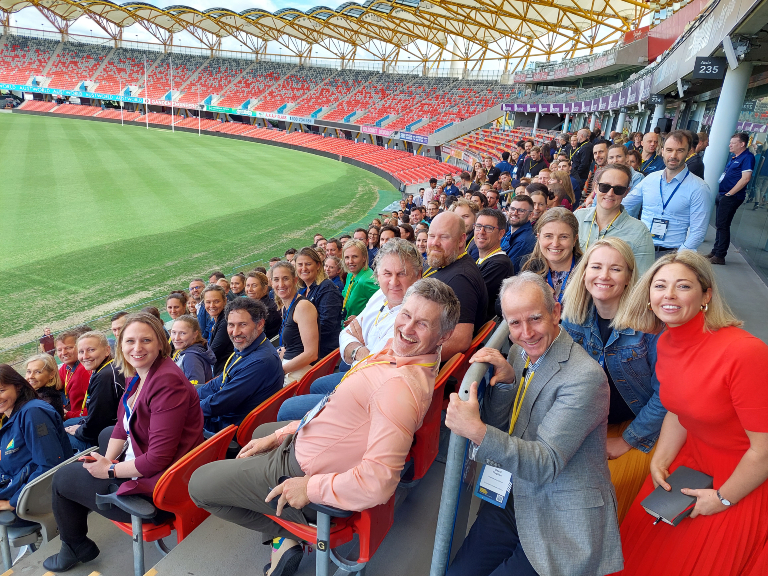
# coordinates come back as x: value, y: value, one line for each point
x: 357, y: 291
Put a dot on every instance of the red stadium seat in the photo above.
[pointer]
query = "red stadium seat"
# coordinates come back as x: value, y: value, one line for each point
x: 264, y: 412
x: 325, y: 367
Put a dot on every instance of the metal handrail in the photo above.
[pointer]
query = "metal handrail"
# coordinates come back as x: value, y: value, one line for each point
x: 454, y: 464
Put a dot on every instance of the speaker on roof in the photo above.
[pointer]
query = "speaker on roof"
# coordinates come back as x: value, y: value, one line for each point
x: 664, y: 124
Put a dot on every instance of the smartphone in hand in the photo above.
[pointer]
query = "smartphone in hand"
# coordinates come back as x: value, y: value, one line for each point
x: 87, y: 459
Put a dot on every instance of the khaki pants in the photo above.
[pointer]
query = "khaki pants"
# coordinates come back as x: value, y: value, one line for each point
x: 235, y: 489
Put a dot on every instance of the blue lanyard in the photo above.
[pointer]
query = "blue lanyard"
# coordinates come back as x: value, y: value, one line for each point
x: 128, y: 392
x: 665, y: 204
x: 285, y: 318
x: 565, y: 280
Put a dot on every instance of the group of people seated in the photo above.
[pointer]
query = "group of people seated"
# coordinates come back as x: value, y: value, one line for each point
x: 625, y: 364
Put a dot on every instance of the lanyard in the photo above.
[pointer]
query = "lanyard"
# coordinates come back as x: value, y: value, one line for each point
x: 594, y: 217
x: 349, y: 291
x: 532, y: 166
x: 565, y: 280
x: 481, y: 260
x: 68, y: 375
x: 376, y: 322
x: 128, y: 392
x: 285, y: 321
x: 228, y: 368
x: 691, y: 156
x: 665, y: 204
x: 644, y: 165
x: 85, y: 400
x: 518, y: 405
x: 573, y: 152
x: 431, y: 270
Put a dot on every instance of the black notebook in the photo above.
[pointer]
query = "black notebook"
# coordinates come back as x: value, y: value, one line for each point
x: 671, y: 507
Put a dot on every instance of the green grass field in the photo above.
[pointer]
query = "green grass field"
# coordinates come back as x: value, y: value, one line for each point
x: 97, y: 217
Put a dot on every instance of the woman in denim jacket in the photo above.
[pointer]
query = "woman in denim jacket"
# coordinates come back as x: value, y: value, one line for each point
x: 601, y: 283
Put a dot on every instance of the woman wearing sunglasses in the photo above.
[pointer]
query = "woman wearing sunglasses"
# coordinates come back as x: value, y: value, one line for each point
x: 609, y: 219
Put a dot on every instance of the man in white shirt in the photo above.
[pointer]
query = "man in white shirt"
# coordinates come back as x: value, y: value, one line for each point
x: 398, y: 265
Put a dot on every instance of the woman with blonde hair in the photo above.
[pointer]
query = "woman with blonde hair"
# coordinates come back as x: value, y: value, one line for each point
x: 557, y: 249
x: 564, y: 179
x: 43, y: 375
x: 714, y: 384
x: 191, y: 351
x: 299, y: 336
x: 159, y: 420
x: 601, y: 284
x: 360, y: 284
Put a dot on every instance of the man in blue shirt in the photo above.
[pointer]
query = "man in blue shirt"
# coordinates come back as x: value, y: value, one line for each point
x: 652, y: 161
x: 519, y: 240
x: 504, y: 165
x: 449, y: 187
x: 252, y: 373
x: 731, y: 193
x: 675, y: 202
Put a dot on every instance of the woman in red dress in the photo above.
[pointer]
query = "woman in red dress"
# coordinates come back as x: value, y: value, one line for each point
x: 714, y: 382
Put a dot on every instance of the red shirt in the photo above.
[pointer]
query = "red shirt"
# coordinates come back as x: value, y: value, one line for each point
x: 75, y: 386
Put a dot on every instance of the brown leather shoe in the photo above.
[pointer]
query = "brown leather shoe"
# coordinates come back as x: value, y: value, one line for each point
x: 709, y: 256
x: 717, y: 260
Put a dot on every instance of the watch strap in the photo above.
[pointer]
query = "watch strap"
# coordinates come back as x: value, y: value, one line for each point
x: 723, y: 500
x: 111, y: 471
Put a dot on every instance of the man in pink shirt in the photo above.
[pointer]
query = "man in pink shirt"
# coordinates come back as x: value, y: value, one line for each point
x: 349, y: 450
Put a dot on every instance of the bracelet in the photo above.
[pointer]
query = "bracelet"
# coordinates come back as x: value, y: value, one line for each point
x: 354, y: 353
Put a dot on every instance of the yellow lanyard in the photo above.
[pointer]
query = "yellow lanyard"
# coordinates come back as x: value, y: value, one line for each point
x: 86, y: 394
x: 691, y: 156
x: 228, y: 368
x: 360, y: 366
x: 349, y: 290
x: 481, y: 260
x: 594, y: 217
x: 573, y: 152
x: 518, y: 405
x: 431, y: 270
x: 67, y: 377
x: 376, y: 322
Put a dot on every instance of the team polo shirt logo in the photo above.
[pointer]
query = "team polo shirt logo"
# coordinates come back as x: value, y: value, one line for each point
x: 11, y: 448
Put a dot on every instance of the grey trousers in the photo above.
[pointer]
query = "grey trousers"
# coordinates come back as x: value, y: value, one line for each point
x: 235, y: 489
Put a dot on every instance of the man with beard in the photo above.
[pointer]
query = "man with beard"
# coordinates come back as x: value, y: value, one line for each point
x: 520, y: 239
x: 448, y: 262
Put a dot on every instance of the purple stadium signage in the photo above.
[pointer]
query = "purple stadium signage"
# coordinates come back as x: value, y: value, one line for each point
x: 520, y: 108
x: 532, y: 108
x: 544, y: 108
x: 411, y: 137
x: 604, y: 103
x: 507, y: 107
x: 385, y: 132
x: 613, y: 101
x: 623, y: 97
x: 557, y: 108
x: 576, y: 107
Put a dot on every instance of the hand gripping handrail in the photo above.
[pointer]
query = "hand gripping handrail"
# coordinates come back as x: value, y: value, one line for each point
x: 454, y: 465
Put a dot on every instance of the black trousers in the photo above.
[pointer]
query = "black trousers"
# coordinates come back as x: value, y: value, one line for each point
x: 725, y: 207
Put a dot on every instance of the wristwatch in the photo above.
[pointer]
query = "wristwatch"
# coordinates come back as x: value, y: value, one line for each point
x: 111, y: 472
x: 723, y: 500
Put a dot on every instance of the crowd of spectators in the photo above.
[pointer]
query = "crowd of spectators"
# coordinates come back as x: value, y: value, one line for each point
x: 586, y: 247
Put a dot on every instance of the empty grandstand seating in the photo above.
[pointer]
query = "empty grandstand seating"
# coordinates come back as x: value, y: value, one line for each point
x: 335, y: 90
x: 22, y: 57
x: 375, y: 94
x: 75, y: 63
x: 125, y: 67
x: 172, y: 68
x: 115, y: 115
x: 38, y: 106
x: 75, y: 110
x: 300, y: 82
x: 258, y: 79
x: 493, y: 141
x: 213, y: 78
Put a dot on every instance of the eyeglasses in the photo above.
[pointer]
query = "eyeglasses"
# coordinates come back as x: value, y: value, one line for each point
x: 519, y: 210
x: 487, y: 228
x: 618, y: 190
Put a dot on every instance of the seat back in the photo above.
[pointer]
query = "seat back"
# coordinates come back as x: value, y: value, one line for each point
x: 477, y: 341
x: 264, y: 412
x: 35, y: 500
x: 426, y: 440
x: 325, y: 367
x: 372, y: 526
x: 171, y: 491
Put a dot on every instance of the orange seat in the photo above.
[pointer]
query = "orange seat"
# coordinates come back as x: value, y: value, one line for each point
x: 264, y: 412
x: 171, y: 493
x: 426, y: 440
x: 325, y: 367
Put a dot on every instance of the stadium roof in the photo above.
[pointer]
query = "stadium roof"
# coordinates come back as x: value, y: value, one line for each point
x: 471, y: 31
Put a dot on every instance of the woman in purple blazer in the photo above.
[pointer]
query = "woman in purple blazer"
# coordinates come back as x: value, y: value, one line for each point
x: 158, y: 397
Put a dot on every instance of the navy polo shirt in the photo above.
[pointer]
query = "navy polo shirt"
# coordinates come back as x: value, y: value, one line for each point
x: 744, y: 162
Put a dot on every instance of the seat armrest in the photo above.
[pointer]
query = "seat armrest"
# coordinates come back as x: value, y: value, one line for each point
x: 133, y: 505
x: 7, y: 517
x: 329, y: 510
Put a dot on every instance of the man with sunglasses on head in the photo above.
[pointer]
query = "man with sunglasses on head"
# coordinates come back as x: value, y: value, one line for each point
x: 493, y: 262
x: 675, y: 202
x: 609, y: 218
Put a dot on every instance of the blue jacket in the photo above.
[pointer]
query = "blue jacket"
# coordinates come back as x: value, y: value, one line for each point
x: 32, y: 441
x: 631, y: 360
x: 519, y: 244
x: 505, y: 167
x: 196, y: 362
x: 253, y: 375
x: 327, y: 299
x: 204, y: 320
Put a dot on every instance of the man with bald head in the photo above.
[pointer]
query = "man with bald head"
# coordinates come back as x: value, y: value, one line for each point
x: 448, y: 262
x: 652, y: 161
x: 582, y: 156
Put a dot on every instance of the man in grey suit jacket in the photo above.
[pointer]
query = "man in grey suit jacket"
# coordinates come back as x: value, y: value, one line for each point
x: 560, y: 518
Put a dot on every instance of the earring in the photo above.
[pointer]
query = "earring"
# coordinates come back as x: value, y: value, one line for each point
x: 649, y: 306
x: 705, y: 307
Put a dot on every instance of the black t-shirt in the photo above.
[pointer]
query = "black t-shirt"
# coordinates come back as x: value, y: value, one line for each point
x: 619, y: 411
x: 493, y: 175
x: 495, y: 270
x: 468, y: 285
x: 532, y: 167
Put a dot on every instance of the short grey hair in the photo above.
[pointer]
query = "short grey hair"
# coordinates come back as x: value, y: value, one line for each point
x: 404, y: 250
x: 96, y: 335
x: 440, y: 293
x: 516, y: 283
